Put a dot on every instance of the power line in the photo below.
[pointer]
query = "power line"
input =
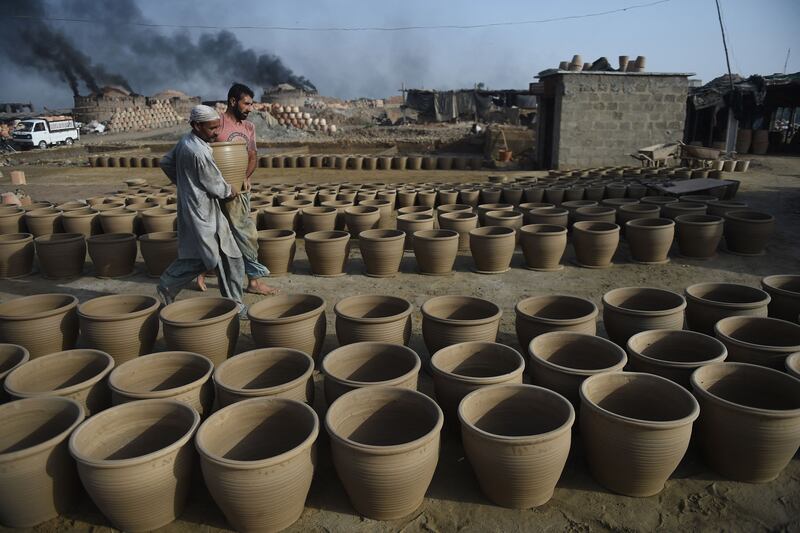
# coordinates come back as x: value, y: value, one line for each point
x: 341, y: 29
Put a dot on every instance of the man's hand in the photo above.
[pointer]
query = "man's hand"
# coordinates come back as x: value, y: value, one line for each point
x: 247, y: 185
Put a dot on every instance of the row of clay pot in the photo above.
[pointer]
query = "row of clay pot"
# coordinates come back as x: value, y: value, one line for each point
x: 104, y: 161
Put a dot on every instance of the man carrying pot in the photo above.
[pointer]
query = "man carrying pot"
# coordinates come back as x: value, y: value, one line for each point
x: 205, y: 240
x: 234, y: 128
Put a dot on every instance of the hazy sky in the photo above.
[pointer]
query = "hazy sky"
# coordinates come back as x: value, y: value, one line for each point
x: 676, y: 36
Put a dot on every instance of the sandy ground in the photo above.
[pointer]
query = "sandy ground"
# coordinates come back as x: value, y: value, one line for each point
x: 694, y: 498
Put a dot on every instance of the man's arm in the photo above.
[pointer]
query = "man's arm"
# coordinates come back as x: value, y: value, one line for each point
x: 167, y: 165
x: 252, y: 152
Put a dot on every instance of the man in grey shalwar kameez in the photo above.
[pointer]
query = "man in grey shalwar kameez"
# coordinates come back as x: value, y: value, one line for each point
x: 205, y: 241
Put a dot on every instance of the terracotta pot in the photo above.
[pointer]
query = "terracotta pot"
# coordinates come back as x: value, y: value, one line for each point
x: 629, y: 310
x: 517, y: 439
x: 461, y: 222
x: 158, y: 220
x: 649, y: 239
x: 113, y: 254
x: 492, y: 248
x: 12, y: 221
x: 61, y: 255
x: 674, y: 209
x: 43, y: 221
x: 11, y: 356
x: 207, y: 325
x: 785, y: 293
x: 749, y: 428
x: 182, y: 376
x: 123, y: 325
x: 328, y: 252
x: 719, y: 208
x: 276, y: 249
x: 553, y: 216
x: 381, y: 251
x: 85, y: 221
x: 673, y: 354
x: 708, y: 303
x: 435, y: 251
x: 385, y: 447
x: 636, y: 429
x: 294, y: 321
x: 748, y: 232
x: 274, y: 372
x: 373, y: 318
x: 559, y: 312
x: 411, y: 223
x: 118, y: 221
x: 16, y: 255
x: 231, y: 158
x: 482, y: 209
x: 595, y: 243
x: 792, y: 365
x: 758, y: 340
x: 76, y: 374
x: 135, y: 461
x: 159, y: 250
x: 368, y: 364
x: 42, y: 324
x: 448, y: 320
x: 38, y: 480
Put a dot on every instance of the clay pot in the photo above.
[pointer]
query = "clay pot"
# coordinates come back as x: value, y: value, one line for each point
x: 368, y: 364
x: 785, y: 293
x: 406, y: 197
x: 373, y: 318
x: 43, y: 221
x: 318, y: 219
x: 84, y: 221
x: 426, y: 197
x: 118, y: 221
x: 490, y: 195
x: 673, y: 354
x: 792, y: 365
x: 674, y: 209
x: 509, y: 219
x: 562, y: 360
x: 451, y: 208
x: 294, y: 321
x: 42, y: 324
x: 649, y: 239
x: 16, y: 255
x: 158, y: 220
x: 708, y: 303
x: 12, y: 221
x: 595, y: 214
x: 748, y: 232
x: 361, y: 218
x: 635, y: 212
x: 159, y: 250
x: 517, y: 439
x: 113, y: 254
x: 469, y: 197
x: 11, y: 356
x: 482, y: 209
x: 554, y: 195
x: 448, y: 320
x: 461, y: 368
x: 182, y: 376
x: 281, y: 217
x: 61, y: 255
x: 699, y: 235
x: 207, y: 325
x: 328, y: 252
x: 385, y: 447
x: 719, y: 208
x: 258, y: 459
x: 492, y: 248
x: 381, y: 251
x: 275, y: 372
x: 595, y: 243
x: 758, y: 340
x: 573, y: 205
x: 384, y: 211
x: 123, y: 325
x: 749, y: 428
x: 462, y: 222
x: 135, y: 461
x: 552, y: 216
x: 435, y: 251
x: 512, y: 195
x: 38, y: 480
x: 658, y: 200
x: 231, y: 158
x: 415, y: 210
x: 76, y: 374
x: 411, y: 223
x: 629, y: 310
x: 636, y: 429
x: 276, y: 249
x: 559, y: 312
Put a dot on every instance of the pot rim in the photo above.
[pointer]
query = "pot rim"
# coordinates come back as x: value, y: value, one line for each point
x: 361, y: 210
x: 63, y: 309
x: 579, y: 371
x: 105, y: 317
x: 436, y: 235
x: 640, y: 208
x: 227, y: 315
x: 225, y: 143
x: 110, y: 238
x: 12, y: 211
x: 548, y: 229
x: 549, y: 211
x: 281, y: 210
x: 592, y: 315
x: 502, y: 214
x: 700, y: 220
x: 43, y: 212
x: 767, y: 283
x: 337, y: 309
x: 24, y: 359
x: 585, y: 227
x: 461, y: 322
x: 8, y: 385
x: 487, y: 232
x: 765, y: 298
x: 266, y: 302
x: 752, y: 346
x: 482, y: 380
x: 51, y: 442
x: 738, y: 216
x: 650, y: 224
x: 16, y: 238
x: 282, y: 235
x: 118, y: 212
x: 321, y: 210
x: 644, y: 312
x: 113, y: 377
x: 333, y: 236
x: 147, y: 237
x: 56, y: 238
x: 369, y: 235
x: 637, y: 354
x: 151, y: 212
x: 371, y: 344
x: 261, y: 391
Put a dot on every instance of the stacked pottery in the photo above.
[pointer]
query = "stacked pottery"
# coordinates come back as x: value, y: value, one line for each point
x: 123, y: 325
x: 462, y: 222
x: 630, y: 310
x: 649, y: 239
x: 492, y: 247
x: 294, y: 321
x: 207, y: 325
x: 42, y: 324
x: 758, y: 340
x: 373, y: 318
x: 543, y: 246
x: 381, y: 251
x: 558, y: 312
x: 276, y: 249
x: 61, y: 255
x: 435, y: 251
x: 411, y: 223
x: 159, y: 250
x: 748, y: 232
x: 673, y: 354
x: 699, y: 235
x: 16, y: 255
x: 595, y: 243
x: 708, y: 303
x: 113, y: 254
x: 448, y: 320
x: 785, y: 293
x: 328, y: 252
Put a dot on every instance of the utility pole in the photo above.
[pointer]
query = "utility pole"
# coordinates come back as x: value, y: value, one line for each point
x: 724, y: 44
x: 785, y: 63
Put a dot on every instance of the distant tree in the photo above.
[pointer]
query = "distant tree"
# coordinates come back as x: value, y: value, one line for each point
x: 481, y: 86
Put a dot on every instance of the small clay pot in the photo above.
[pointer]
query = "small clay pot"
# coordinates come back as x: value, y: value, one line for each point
x: 543, y: 246
x: 448, y: 320
x: 673, y: 354
x: 708, y: 303
x: 232, y: 160
x: 16, y: 255
x: 384, y: 210
x: 435, y: 251
x: 328, y: 252
x: 61, y: 255
x: 118, y: 221
x: 413, y: 222
x: 558, y: 312
x: 758, y: 340
x: 748, y: 232
x: 649, y: 239
x: 318, y: 219
x: 276, y: 249
x: 629, y: 310
x: 492, y: 247
x: 42, y: 324
x: 85, y: 221
x: 426, y: 197
x: 159, y: 250
x: 206, y: 325
x: 381, y: 251
x: 373, y: 318
x: 294, y: 321
x: 113, y: 254
x: 490, y: 195
x: 785, y: 293
x: 44, y: 221
x: 595, y: 243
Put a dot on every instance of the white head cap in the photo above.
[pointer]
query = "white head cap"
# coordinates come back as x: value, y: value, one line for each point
x: 203, y: 113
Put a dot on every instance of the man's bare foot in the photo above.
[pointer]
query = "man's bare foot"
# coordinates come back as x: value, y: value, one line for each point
x: 256, y: 287
x: 201, y: 283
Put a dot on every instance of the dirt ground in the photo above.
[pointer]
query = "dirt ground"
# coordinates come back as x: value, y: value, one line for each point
x: 694, y: 499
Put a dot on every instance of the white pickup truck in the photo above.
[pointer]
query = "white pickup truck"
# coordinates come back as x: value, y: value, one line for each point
x: 41, y: 132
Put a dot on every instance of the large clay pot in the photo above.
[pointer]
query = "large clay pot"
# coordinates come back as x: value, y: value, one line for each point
x: 629, y: 310
x: 43, y: 221
x: 698, y: 235
x: 758, y: 340
x: 318, y: 219
x: 384, y: 211
x: 448, y: 320
x: 16, y: 255
x: 673, y: 354
x: 492, y: 248
x: 135, y: 461
x: 675, y: 209
x: 61, y: 255
x: 561, y: 360
x: 11, y: 356
x: 367, y: 364
x: 749, y: 427
x: 558, y: 312
x: 554, y: 216
x: 785, y: 293
x: 158, y: 220
x: 182, y: 376
x: 595, y: 243
x: 289, y: 321
x: 509, y: 219
x: 748, y: 232
x: 517, y: 439
x: 382, y: 251
x: 118, y: 221
x: 206, y: 325
x: 373, y: 318
x: 451, y: 208
x: 276, y: 372
x: 635, y: 212
x: 708, y: 303
x: 76, y: 374
x: 462, y: 222
x: 123, y: 325
x: 38, y: 480
x: 435, y: 251
x: 719, y: 208
x: 482, y: 209
x: 231, y: 158
x: 416, y: 210
x: 461, y: 368
x: 159, y: 250
x: 258, y: 459
x: 12, y: 221
x: 328, y: 252
x: 411, y: 223
x: 85, y: 221
x: 385, y: 447
x: 281, y: 217
x: 649, y: 239
x: 113, y: 254
x: 490, y: 195
x: 635, y: 429
x: 276, y: 249
x: 361, y: 218
x: 595, y: 214
x: 42, y: 324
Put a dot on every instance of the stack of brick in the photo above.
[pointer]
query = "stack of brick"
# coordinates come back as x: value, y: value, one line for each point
x: 158, y: 114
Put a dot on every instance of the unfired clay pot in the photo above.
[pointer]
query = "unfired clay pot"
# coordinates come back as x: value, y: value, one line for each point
x: 318, y: 219
x: 698, y: 235
x: 123, y: 325
x: 11, y: 356
x: 448, y: 320
x: 411, y: 223
x: 158, y: 219
x: 289, y: 321
x: 61, y: 255
x: 159, y: 250
x: 718, y: 208
x: 374, y: 318
x: 595, y: 214
x: 708, y: 303
x: 673, y: 354
x: 675, y: 209
x: 43, y: 221
x: 206, y: 325
x: 281, y: 217
x: 276, y: 249
x: 361, y: 218
x: 84, y: 221
x: 595, y: 243
x: 462, y: 222
x: 118, y: 221
x: 16, y: 255
x: 635, y: 212
x: 748, y: 232
x: 557, y: 312
x: 554, y: 216
x: 629, y: 310
x: 113, y: 254
x: 42, y: 324
x: 382, y: 251
x: 328, y: 252
x: 785, y: 293
x: 492, y: 247
x: 12, y: 221
x: 543, y: 246
x: 758, y: 340
x: 231, y: 158
x: 482, y: 209
x: 649, y: 239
